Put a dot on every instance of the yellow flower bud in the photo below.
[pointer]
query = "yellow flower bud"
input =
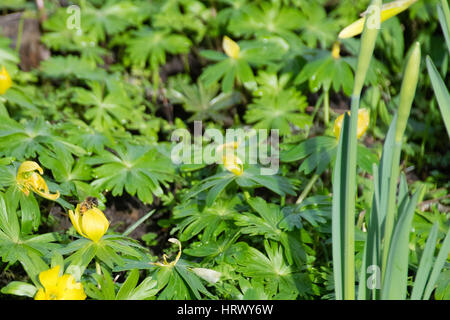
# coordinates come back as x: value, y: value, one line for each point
x: 28, y: 179
x: 233, y: 164
x: 363, y: 123
x: 230, y: 161
x: 388, y: 10
x: 231, y: 48
x: 90, y: 223
x: 5, y: 81
x: 336, y: 50
x: 55, y: 287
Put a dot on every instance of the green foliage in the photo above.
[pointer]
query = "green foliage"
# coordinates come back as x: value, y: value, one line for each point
x: 99, y: 110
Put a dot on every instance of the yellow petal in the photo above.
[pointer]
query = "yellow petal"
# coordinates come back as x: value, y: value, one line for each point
x: 336, y: 50
x: 40, y: 295
x: 75, y: 218
x: 388, y: 10
x: 363, y: 123
x: 233, y: 164
x: 49, y: 278
x: 68, y: 289
x: 94, y: 224
x: 29, y: 166
x: 5, y: 81
x: 38, y: 185
x: 230, y: 47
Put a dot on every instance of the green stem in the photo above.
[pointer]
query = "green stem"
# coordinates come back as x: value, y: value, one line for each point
x: 307, y: 188
x: 326, y: 107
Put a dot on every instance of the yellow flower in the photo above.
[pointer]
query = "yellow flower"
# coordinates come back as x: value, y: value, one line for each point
x: 231, y: 48
x: 5, y: 81
x: 91, y: 224
x: 231, y: 162
x: 59, y: 288
x: 363, y: 123
x: 336, y: 50
x: 174, y: 262
x: 388, y: 10
x: 28, y: 179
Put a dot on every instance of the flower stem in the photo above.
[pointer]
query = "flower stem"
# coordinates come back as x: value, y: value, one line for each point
x: 307, y: 188
x: 326, y: 107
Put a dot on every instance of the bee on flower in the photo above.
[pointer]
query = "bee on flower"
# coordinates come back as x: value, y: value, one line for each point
x: 89, y: 221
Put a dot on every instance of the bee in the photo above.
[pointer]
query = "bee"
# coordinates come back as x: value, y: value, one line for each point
x: 88, y: 203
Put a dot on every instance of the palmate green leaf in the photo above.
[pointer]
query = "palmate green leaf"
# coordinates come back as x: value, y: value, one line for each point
x: 112, y: 18
x: 182, y: 16
x: 204, y: 102
x: 66, y: 171
x: 211, y: 221
x: 264, y: 19
x: 128, y: 290
x: 138, y: 169
x: 151, y: 45
x: 104, y: 110
x: 27, y: 249
x: 315, y: 209
x: 326, y: 72
x: 319, y: 152
x: 70, y: 67
x: 26, y: 139
x: 269, y: 224
x: 279, y: 277
x: 315, y: 26
x: 83, y: 135
x: 173, y: 283
x: 250, y: 178
x: 279, y: 111
x: 254, y: 52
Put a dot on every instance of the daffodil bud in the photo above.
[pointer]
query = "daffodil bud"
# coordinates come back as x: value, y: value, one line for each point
x: 90, y: 223
x: 363, y: 123
x: 407, y: 91
x: 5, y: 81
x: 55, y: 287
x: 231, y: 48
x: 388, y: 10
x: 29, y: 180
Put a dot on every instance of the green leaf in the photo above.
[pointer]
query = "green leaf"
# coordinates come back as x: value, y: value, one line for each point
x: 441, y: 92
x: 138, y: 169
x: 396, y: 273
x: 19, y: 288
